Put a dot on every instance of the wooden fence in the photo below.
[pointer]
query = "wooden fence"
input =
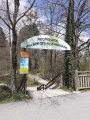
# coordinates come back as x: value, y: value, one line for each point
x: 82, y: 79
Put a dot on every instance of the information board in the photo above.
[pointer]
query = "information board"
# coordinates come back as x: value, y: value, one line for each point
x: 24, y: 54
x: 24, y: 65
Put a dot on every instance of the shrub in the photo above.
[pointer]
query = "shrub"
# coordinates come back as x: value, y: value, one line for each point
x: 5, y: 93
x: 19, y: 96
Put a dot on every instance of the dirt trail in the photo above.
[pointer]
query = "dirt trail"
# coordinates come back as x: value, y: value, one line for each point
x: 44, y: 93
x: 40, y: 80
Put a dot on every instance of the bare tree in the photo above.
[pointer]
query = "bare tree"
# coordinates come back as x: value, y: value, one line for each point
x: 77, y: 21
x: 57, y: 12
x: 10, y: 20
x: 54, y: 12
x: 82, y: 23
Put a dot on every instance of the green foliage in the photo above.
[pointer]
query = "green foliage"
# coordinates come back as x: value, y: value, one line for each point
x: 7, y: 100
x: 6, y: 79
x: 85, y: 90
x: 32, y: 82
x: 7, y: 96
x: 67, y: 89
x: 27, y: 31
x: 2, y: 38
x: 44, y: 69
x: 69, y: 55
x: 19, y: 97
x: 69, y: 69
x: 5, y: 93
x: 84, y: 66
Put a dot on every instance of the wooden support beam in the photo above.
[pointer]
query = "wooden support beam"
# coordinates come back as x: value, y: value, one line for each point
x: 76, y: 80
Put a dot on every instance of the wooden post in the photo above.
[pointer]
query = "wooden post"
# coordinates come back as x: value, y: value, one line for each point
x: 61, y: 77
x: 76, y: 80
x: 25, y: 79
x: 24, y: 55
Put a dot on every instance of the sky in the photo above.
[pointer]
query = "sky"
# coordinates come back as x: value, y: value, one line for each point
x: 11, y: 6
x: 84, y: 36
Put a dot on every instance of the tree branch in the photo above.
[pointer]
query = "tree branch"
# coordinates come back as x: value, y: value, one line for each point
x: 5, y: 22
x: 25, y: 12
x: 8, y: 13
x: 88, y: 41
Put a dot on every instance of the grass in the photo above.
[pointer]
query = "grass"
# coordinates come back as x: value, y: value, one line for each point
x: 20, y: 97
x: 85, y: 90
x: 72, y: 89
x: 7, y: 96
x: 67, y: 89
x: 6, y: 79
x: 32, y: 82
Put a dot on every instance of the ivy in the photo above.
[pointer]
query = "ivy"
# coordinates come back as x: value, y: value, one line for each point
x: 69, y: 55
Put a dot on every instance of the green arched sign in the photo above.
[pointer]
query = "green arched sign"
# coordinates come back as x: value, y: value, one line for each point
x: 45, y: 42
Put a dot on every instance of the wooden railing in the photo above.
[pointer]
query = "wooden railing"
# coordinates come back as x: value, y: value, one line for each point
x: 51, y: 82
x: 82, y: 79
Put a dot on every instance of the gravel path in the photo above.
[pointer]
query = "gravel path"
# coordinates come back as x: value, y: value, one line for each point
x: 44, y: 93
x: 67, y: 107
x: 42, y: 81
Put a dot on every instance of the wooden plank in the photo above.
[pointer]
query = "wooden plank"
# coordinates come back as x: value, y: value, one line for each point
x: 83, y: 88
x: 85, y: 80
x: 81, y: 81
x: 76, y: 80
x: 84, y: 75
x: 88, y: 82
x: 83, y: 71
x: 61, y: 80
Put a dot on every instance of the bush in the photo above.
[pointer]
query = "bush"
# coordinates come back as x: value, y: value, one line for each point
x: 5, y: 93
x: 7, y: 96
x: 19, y: 96
x: 84, y: 65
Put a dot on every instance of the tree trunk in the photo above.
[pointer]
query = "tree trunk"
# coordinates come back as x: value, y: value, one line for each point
x: 55, y: 56
x: 51, y: 52
x: 69, y: 55
x: 14, y: 61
